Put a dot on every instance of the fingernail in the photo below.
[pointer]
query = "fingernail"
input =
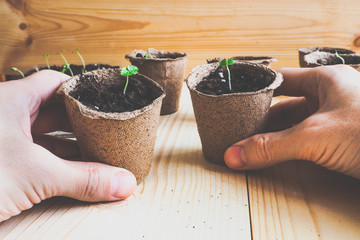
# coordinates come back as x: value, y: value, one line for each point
x: 234, y: 157
x: 123, y: 184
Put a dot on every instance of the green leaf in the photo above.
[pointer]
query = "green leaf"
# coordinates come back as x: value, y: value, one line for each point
x: 222, y: 63
x: 133, y: 69
x: 230, y: 61
x: 125, y: 72
x: 129, y: 70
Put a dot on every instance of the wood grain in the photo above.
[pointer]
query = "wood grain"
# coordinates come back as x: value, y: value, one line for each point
x: 184, y: 197
x: 299, y: 200
x: 107, y: 30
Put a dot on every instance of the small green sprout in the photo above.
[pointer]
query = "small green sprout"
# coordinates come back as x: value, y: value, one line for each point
x: 18, y: 70
x: 66, y: 63
x: 226, y: 63
x: 128, y: 71
x: 147, y: 55
x: 82, y: 59
x: 338, y: 56
x: 46, y: 56
x: 37, y: 69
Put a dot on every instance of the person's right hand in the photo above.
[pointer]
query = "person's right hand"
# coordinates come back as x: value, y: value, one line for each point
x: 321, y: 123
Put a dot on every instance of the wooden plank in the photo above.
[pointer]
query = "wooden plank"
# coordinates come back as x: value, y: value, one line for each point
x: 299, y: 200
x: 107, y: 30
x: 184, y: 197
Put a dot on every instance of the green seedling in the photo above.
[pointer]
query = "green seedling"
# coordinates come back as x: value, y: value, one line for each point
x: 18, y: 70
x: 128, y: 71
x: 46, y: 56
x: 147, y: 55
x: 82, y: 60
x: 341, y: 58
x: 66, y: 63
x: 226, y: 63
x: 37, y: 69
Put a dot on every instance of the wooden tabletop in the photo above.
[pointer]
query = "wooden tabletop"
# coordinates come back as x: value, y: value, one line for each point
x: 185, y: 197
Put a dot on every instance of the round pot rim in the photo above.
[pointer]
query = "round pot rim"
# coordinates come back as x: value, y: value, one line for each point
x: 275, y: 84
x: 254, y: 59
x: 308, y: 50
x: 66, y: 87
x: 132, y: 55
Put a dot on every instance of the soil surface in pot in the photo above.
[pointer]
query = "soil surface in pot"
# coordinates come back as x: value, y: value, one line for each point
x: 172, y: 55
x: 110, y: 98
x: 240, y: 58
x: 242, y: 80
x: 76, y: 69
x: 333, y: 59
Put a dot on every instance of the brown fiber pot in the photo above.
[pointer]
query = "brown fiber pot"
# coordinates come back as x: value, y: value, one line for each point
x: 125, y: 139
x: 226, y: 119
x: 266, y: 61
x: 165, y: 68
x: 320, y: 56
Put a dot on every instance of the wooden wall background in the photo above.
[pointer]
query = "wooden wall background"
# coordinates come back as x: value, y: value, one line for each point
x: 106, y: 30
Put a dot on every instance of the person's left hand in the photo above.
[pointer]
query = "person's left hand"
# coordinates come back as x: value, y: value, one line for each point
x: 31, y: 164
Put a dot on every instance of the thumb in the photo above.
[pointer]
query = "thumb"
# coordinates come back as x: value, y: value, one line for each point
x: 93, y: 182
x: 263, y: 150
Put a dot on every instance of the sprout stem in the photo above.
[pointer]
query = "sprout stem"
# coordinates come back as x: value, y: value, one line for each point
x: 82, y: 59
x: 66, y: 63
x: 18, y: 70
x: 126, y: 84
x: 228, y: 70
x: 341, y: 58
x: 46, y: 56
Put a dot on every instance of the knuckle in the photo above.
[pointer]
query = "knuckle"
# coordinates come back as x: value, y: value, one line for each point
x: 92, y: 183
x: 261, y: 143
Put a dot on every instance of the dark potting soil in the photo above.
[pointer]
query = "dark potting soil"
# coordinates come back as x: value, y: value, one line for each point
x: 242, y: 80
x: 240, y: 58
x: 332, y: 60
x: 333, y: 50
x: 110, y: 98
x: 76, y: 69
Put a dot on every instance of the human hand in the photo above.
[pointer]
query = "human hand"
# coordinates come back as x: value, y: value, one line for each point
x: 321, y: 123
x: 30, y: 173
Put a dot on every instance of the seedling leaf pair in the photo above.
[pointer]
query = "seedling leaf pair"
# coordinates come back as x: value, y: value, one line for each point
x: 226, y: 63
x: 128, y: 71
x: 67, y: 65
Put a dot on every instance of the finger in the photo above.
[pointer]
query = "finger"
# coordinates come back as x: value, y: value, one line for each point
x: 289, y: 112
x: 43, y: 84
x: 95, y: 182
x: 61, y: 147
x: 39, y: 87
x: 51, y: 118
x: 298, y: 82
x: 264, y: 150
